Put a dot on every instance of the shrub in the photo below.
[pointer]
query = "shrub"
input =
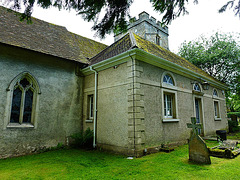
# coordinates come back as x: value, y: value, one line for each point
x: 83, y: 139
x: 233, y: 126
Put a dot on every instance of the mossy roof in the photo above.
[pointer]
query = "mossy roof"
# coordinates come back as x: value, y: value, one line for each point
x: 46, y: 38
x: 131, y: 40
x: 167, y: 55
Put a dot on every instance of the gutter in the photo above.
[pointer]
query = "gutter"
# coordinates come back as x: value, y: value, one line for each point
x: 95, y: 107
x: 154, y: 60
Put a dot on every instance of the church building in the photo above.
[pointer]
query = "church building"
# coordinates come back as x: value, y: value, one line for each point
x: 133, y: 94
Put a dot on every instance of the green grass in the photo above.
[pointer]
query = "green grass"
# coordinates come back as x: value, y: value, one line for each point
x: 80, y: 164
x: 235, y: 136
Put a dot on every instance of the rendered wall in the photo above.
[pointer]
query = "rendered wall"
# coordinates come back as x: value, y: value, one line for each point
x: 112, y: 108
x: 59, y: 107
x: 158, y: 132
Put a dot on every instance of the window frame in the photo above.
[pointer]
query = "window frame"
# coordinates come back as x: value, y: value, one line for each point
x: 174, y: 117
x: 216, y: 105
x: 168, y: 85
x: 215, y: 93
x: 168, y: 105
x: 90, y: 107
x: 35, y: 88
x: 197, y: 92
x: 198, y: 85
x: 158, y: 40
x: 169, y: 89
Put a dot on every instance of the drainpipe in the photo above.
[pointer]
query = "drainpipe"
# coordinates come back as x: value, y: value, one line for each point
x: 95, y: 107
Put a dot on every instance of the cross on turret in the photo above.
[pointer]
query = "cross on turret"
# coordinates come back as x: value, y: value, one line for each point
x: 195, y: 126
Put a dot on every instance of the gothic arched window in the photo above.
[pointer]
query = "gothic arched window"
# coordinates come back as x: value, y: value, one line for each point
x: 24, y: 89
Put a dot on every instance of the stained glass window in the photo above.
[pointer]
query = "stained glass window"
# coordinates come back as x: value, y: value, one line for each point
x: 16, y: 104
x: 24, y: 82
x: 28, y: 106
x: 22, y: 101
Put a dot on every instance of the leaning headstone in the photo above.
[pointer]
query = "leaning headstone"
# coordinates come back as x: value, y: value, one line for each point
x: 198, y: 151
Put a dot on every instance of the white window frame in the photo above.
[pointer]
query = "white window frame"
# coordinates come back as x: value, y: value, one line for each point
x: 35, y: 88
x: 168, y: 105
x: 216, y: 106
x: 216, y: 110
x: 174, y: 116
x: 169, y: 89
x: 200, y: 87
x: 168, y: 85
x: 215, y: 93
x: 90, y: 106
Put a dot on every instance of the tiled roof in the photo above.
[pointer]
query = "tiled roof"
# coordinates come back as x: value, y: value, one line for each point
x: 46, y: 38
x: 131, y: 40
x: 116, y: 48
x: 168, y: 55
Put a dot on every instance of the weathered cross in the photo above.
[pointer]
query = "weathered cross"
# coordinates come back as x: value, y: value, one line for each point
x: 195, y: 126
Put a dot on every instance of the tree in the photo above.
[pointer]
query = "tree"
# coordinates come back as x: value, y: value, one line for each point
x: 116, y: 11
x: 219, y: 56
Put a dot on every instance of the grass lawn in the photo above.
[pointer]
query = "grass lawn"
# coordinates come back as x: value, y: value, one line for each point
x: 235, y: 136
x: 80, y: 164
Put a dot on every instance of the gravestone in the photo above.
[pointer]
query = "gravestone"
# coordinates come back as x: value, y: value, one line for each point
x: 198, y: 151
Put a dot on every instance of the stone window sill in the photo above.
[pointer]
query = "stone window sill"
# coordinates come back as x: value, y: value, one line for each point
x: 217, y: 119
x: 89, y: 121
x: 197, y: 92
x: 17, y: 125
x: 170, y: 120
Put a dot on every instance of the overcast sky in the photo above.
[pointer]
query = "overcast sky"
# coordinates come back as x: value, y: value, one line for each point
x: 203, y: 18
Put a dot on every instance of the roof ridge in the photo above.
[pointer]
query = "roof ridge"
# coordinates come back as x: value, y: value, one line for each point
x: 133, y: 40
x: 166, y: 54
x: 121, y: 45
x: 45, y: 37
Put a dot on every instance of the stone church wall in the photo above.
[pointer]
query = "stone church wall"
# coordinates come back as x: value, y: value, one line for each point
x: 59, y: 106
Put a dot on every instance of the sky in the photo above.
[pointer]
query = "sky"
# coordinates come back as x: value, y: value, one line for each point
x: 203, y: 19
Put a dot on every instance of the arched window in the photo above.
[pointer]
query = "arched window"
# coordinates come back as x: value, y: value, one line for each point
x: 168, y: 80
x: 215, y: 93
x: 196, y: 87
x: 24, y: 90
x: 169, y: 98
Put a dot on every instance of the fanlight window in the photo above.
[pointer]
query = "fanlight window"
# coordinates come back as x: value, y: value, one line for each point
x: 197, y: 87
x: 215, y: 92
x: 22, y: 101
x: 168, y: 80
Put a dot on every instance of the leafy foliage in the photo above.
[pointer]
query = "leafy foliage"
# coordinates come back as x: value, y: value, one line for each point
x: 84, y: 139
x: 219, y: 56
x: 233, y: 102
x: 233, y: 126
x: 116, y: 12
